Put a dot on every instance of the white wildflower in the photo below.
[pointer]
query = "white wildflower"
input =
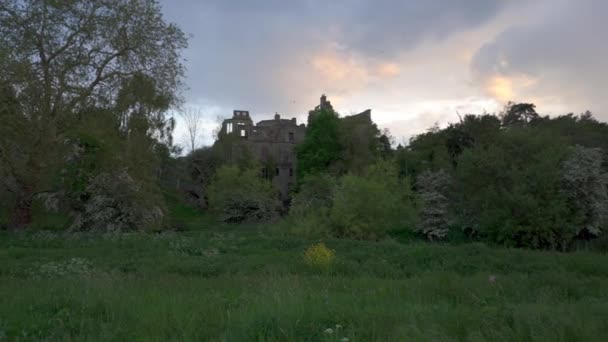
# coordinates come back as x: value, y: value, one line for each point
x: 329, y: 331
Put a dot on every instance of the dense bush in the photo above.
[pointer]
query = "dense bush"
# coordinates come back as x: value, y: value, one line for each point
x: 432, y: 189
x: 369, y: 206
x: 511, y: 192
x: 239, y: 195
x: 586, y: 185
x: 117, y: 202
x: 315, y: 193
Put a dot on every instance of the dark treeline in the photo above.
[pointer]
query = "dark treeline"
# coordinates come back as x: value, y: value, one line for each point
x: 85, y: 144
x: 515, y: 178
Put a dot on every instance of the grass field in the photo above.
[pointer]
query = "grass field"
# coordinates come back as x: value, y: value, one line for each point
x: 246, y: 284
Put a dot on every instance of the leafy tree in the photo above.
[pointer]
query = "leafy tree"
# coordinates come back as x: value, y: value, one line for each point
x: 67, y: 59
x: 240, y: 195
x: 200, y: 167
x: 519, y: 114
x: 112, y: 179
x: 322, y: 146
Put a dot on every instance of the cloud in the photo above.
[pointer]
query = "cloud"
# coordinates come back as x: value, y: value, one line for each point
x: 413, y: 63
x: 557, y: 59
x: 258, y: 54
x: 388, y: 69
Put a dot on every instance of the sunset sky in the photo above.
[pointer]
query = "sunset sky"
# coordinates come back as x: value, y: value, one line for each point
x: 414, y: 63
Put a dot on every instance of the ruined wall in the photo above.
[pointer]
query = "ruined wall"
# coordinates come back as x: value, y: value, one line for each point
x: 271, y: 142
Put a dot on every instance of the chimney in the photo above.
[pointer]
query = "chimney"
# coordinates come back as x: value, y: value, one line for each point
x: 294, y: 121
x: 277, y: 116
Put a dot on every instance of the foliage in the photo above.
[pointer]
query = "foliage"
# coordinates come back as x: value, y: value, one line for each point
x: 519, y: 115
x: 315, y: 193
x: 366, y: 207
x: 319, y: 255
x: 239, y: 195
x: 510, y: 192
x: 117, y: 202
x: 70, y: 60
x: 432, y: 188
x: 110, y: 181
x: 362, y: 144
x: 322, y: 146
x: 199, y: 168
x: 586, y: 186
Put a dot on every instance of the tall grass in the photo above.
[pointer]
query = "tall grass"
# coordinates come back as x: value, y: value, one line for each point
x: 243, y: 284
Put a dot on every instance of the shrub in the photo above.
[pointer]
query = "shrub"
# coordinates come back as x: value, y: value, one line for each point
x: 117, y: 202
x: 319, y: 255
x: 586, y: 185
x: 316, y: 192
x: 511, y: 192
x: 432, y: 187
x: 239, y: 195
x: 367, y: 207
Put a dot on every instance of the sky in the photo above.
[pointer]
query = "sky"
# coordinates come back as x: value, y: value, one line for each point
x: 413, y: 63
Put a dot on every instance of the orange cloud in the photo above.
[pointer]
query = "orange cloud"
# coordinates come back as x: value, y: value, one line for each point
x: 509, y: 88
x: 388, y: 70
x: 335, y: 68
x: 501, y: 88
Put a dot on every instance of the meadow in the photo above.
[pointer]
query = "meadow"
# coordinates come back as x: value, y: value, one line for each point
x: 246, y: 283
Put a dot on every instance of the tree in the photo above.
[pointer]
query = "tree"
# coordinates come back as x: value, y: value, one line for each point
x: 66, y: 58
x: 192, y: 118
x: 322, y: 146
x: 201, y: 165
x: 519, y: 114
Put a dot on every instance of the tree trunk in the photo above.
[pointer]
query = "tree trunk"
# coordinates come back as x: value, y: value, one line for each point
x: 21, y: 213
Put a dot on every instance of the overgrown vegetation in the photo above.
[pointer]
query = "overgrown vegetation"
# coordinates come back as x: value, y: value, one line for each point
x: 242, y: 283
x: 86, y: 144
x: 241, y: 195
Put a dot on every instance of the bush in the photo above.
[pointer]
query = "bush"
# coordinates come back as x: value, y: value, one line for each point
x: 432, y: 187
x: 117, y: 202
x: 586, y: 185
x: 367, y: 207
x: 511, y: 192
x: 315, y: 193
x: 240, y: 195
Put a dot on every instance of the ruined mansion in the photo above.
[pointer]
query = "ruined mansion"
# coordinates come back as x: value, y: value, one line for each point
x: 273, y: 142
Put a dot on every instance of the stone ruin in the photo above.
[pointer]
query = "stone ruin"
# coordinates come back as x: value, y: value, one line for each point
x: 273, y: 142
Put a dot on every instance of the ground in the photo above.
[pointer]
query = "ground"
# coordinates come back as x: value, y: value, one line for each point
x: 246, y: 283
